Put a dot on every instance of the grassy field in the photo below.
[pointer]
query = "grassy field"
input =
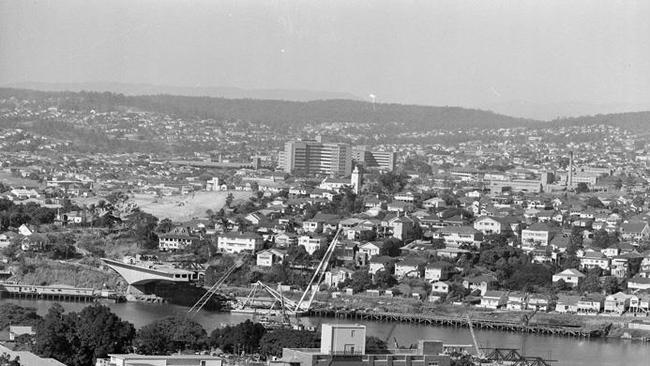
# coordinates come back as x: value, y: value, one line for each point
x: 7, y: 178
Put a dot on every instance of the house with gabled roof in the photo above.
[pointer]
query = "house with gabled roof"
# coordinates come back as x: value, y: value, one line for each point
x: 570, y: 276
x: 538, y: 234
x: 593, y: 260
x: 410, y: 267
x: 380, y: 263
x: 617, y: 303
x: 635, y: 231
x: 483, y: 283
x: 438, y: 271
x: 567, y: 304
x: 494, y: 300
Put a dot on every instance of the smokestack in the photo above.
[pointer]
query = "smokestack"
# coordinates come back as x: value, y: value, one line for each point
x: 570, y: 177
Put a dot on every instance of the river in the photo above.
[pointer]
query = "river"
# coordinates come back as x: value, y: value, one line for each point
x: 568, y: 351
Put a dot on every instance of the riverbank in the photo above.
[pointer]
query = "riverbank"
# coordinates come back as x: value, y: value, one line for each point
x: 572, y: 351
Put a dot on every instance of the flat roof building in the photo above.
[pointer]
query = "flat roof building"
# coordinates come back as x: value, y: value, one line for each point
x: 344, y: 345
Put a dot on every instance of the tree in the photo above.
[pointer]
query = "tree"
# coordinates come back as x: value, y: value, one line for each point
x: 582, y: 187
x: 5, y: 360
x: 603, y: 239
x: 591, y: 282
x: 392, y: 247
x: 527, y: 276
x: 595, y: 202
x: 15, y: 314
x: 375, y: 345
x: 359, y: 281
x: 51, y: 339
x: 244, y: 336
x: 165, y: 226
x: 96, y: 332
x: 272, y: 343
x: 229, y: 199
x: 611, y: 285
x: 384, y: 279
x: 169, y: 335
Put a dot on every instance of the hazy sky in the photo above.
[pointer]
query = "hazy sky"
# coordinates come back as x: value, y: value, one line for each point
x: 468, y: 53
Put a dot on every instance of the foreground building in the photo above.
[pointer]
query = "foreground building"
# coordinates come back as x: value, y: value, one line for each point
x: 162, y: 360
x: 345, y: 344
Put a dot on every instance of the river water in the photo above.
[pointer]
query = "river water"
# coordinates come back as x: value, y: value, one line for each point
x: 567, y: 351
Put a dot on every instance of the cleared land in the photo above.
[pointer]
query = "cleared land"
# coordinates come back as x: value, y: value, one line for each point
x: 183, y: 208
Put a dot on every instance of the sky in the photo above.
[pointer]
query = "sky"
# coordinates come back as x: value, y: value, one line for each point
x: 464, y: 53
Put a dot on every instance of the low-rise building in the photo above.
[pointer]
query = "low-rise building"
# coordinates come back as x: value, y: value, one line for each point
x: 570, y: 276
x: 312, y: 242
x: 494, y: 300
x: 239, y: 242
x: 159, y: 360
x: 269, y: 257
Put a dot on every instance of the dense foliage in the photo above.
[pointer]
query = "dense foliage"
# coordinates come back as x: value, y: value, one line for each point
x: 169, y: 335
x: 78, y: 339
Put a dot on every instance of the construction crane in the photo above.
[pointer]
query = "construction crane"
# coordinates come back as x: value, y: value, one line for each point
x: 317, y: 278
x: 212, y: 290
x: 525, y: 319
x: 479, y: 354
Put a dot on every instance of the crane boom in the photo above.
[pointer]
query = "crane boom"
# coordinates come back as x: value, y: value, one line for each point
x: 471, y: 331
x: 317, y: 278
x: 212, y: 290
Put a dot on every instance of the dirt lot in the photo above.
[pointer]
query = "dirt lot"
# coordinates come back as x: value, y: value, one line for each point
x: 183, y: 208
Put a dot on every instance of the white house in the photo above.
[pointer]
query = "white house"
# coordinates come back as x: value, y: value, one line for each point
x: 617, y: 303
x: 570, y: 276
x: 237, y: 243
x: 494, y: 300
x: 269, y: 257
x: 436, y: 272
x: 312, y: 243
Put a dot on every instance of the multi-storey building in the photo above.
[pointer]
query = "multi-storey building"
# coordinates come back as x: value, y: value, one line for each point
x: 384, y: 160
x: 316, y: 157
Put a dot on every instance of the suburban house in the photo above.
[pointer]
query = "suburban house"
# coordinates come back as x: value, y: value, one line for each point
x: 378, y: 263
x: 16, y: 331
x: 285, y: 240
x: 567, y: 304
x: 233, y: 242
x: 312, y: 243
x: 517, y: 301
x: 175, y: 241
x: 538, y: 302
x: 494, y: 300
x: 538, y: 234
x: 491, y: 225
x: 570, y: 276
x: 371, y: 249
x: 435, y: 202
x: 640, y: 303
x: 440, y: 287
x: 269, y: 257
x: 410, y: 267
x: 638, y: 283
x: 635, y: 231
x: 617, y: 303
x: 436, y: 271
x: 483, y: 283
x: 457, y: 236
x: 338, y: 275
x: 594, y: 259
x: 590, y: 304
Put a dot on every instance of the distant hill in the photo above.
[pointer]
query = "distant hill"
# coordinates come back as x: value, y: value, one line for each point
x: 273, y: 112
x: 552, y: 111
x: 196, y: 91
x: 636, y: 122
